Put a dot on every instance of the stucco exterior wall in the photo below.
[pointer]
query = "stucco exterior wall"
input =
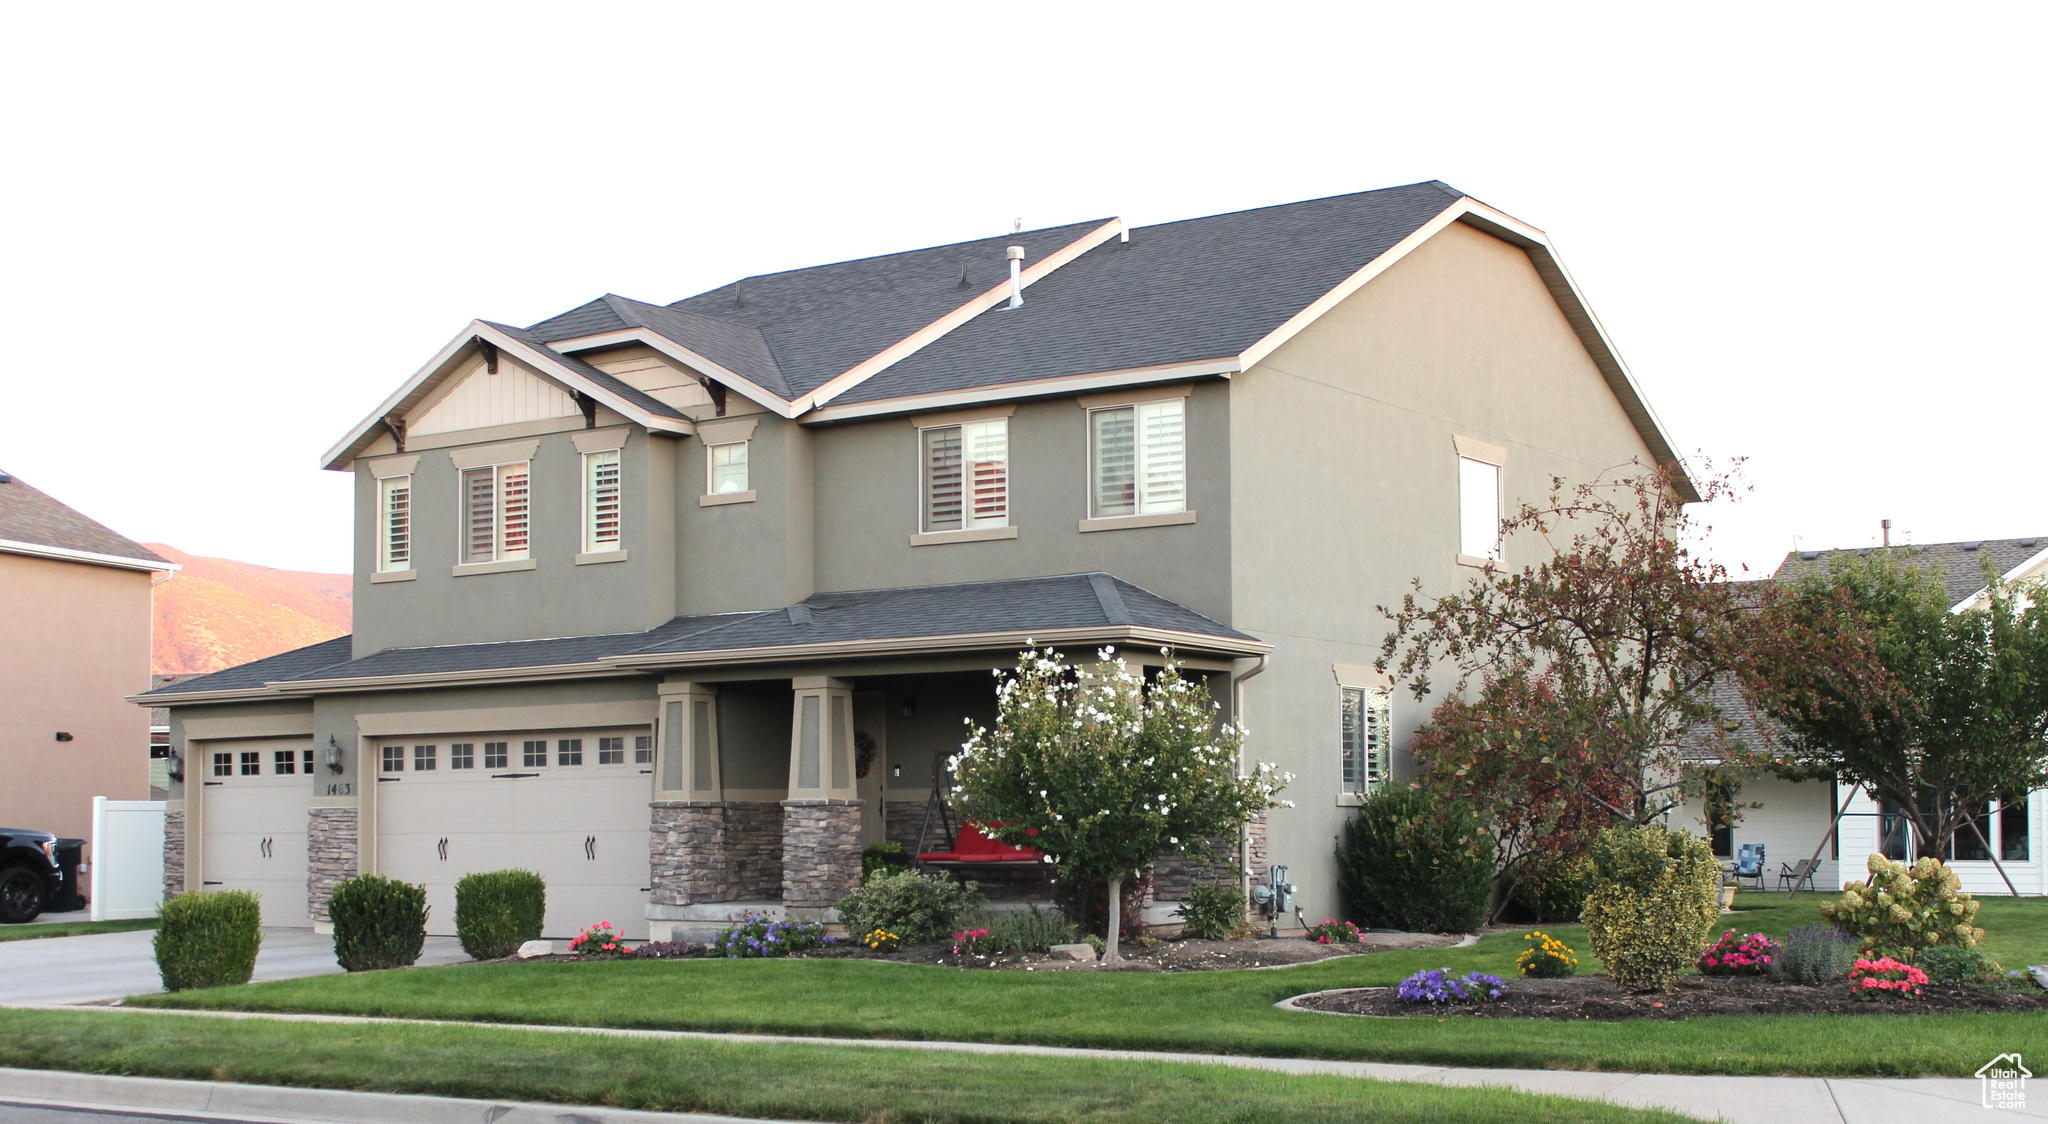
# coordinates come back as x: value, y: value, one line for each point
x: 1346, y: 478
x: 868, y: 492
x: 74, y: 642
x: 557, y: 597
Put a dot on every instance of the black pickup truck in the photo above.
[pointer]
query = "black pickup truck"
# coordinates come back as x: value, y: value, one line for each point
x: 34, y: 874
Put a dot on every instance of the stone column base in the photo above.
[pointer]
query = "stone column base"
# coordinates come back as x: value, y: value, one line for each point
x: 332, y: 856
x: 687, y: 852
x: 820, y: 852
x: 174, y: 854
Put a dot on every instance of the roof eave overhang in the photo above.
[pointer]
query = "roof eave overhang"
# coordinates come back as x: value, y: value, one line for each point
x: 1058, y: 386
x: 300, y: 688
x: 92, y: 558
x: 1565, y: 291
x: 1012, y: 641
x: 647, y: 337
x: 450, y: 358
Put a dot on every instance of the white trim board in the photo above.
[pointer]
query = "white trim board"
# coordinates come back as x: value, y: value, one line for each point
x: 66, y: 554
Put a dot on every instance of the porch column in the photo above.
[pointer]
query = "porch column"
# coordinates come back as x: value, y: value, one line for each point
x: 688, y: 837
x: 821, y: 817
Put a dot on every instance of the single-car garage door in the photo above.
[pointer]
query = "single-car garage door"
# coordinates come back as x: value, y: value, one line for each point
x: 569, y: 805
x: 254, y: 807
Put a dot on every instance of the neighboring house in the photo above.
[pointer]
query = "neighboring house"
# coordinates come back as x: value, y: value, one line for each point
x: 1792, y: 819
x: 633, y: 583
x: 74, y: 644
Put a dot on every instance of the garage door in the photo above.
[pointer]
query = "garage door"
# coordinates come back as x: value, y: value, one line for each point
x: 568, y: 805
x: 255, y: 811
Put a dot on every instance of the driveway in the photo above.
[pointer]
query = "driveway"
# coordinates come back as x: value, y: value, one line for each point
x: 102, y: 966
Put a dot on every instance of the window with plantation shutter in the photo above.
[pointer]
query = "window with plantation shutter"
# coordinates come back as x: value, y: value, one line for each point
x: 967, y: 476
x: 1364, y: 729
x: 600, y: 501
x: 394, y: 524
x: 495, y: 508
x: 1138, y: 459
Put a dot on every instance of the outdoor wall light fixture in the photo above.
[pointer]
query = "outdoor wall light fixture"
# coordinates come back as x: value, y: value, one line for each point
x: 63, y: 735
x: 174, y: 766
x: 333, y: 755
x: 909, y: 708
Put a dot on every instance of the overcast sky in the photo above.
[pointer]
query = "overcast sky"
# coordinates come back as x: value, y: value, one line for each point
x: 229, y: 233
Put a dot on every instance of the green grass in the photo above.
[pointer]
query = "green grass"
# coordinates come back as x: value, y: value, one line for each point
x: 1223, y: 1012
x: 779, y: 1081
x: 73, y: 928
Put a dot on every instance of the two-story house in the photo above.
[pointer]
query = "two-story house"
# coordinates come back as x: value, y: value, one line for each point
x: 682, y: 605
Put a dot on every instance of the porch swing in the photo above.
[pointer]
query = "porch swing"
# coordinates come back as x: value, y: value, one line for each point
x: 971, y: 849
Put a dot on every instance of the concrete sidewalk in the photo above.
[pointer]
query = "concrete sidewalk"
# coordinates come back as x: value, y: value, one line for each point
x: 102, y: 966
x: 1738, y: 1100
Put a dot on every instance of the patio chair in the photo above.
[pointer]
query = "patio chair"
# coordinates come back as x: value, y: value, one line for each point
x: 1749, y: 863
x: 1797, y: 875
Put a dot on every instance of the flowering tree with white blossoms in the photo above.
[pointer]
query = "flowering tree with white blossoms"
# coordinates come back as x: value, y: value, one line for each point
x: 1104, y: 772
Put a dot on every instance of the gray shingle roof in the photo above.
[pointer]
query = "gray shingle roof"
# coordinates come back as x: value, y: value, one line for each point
x: 28, y: 515
x: 1070, y: 601
x: 934, y: 611
x: 1961, y: 564
x: 1184, y: 291
x: 612, y: 383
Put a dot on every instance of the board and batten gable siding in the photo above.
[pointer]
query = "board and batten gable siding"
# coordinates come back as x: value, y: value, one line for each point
x: 1345, y: 472
x: 478, y: 400
x: 557, y: 596
x: 869, y: 491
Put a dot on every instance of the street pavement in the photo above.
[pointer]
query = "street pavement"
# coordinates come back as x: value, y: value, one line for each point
x: 103, y: 966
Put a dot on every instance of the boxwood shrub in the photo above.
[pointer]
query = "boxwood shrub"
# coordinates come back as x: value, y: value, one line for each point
x: 208, y: 939
x: 378, y: 922
x: 497, y: 911
x: 915, y: 905
x: 1412, y: 862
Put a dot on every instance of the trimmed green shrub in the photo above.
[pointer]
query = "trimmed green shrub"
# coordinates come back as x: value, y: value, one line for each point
x: 497, y: 911
x: 378, y: 922
x: 1814, y: 955
x: 912, y: 904
x: 1956, y: 966
x: 1902, y: 910
x: 1413, y: 862
x: 1655, y: 897
x: 1211, y: 913
x: 881, y: 858
x: 208, y: 939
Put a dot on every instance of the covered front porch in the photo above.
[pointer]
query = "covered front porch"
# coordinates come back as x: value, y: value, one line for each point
x: 791, y: 742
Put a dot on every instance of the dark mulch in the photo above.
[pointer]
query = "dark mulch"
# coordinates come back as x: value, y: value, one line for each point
x: 1594, y: 997
x: 1139, y: 956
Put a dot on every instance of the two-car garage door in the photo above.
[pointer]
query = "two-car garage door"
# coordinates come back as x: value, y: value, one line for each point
x: 569, y: 805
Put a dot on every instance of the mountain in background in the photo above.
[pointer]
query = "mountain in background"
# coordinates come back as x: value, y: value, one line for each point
x: 216, y: 612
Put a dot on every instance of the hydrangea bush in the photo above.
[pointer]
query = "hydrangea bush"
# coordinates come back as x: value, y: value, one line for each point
x: 1437, y: 985
x: 757, y: 936
x: 1901, y: 910
x: 1750, y: 954
x: 1546, y: 958
x: 1102, y: 769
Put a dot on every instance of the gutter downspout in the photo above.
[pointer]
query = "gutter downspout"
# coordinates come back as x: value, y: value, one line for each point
x: 1244, y: 839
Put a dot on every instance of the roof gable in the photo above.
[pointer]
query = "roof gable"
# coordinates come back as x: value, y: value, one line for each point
x: 482, y: 397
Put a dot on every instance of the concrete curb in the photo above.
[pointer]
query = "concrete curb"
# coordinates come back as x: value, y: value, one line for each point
x: 277, y: 1104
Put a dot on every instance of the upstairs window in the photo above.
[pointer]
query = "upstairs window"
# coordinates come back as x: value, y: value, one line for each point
x: 1478, y: 509
x: 600, y: 502
x: 394, y: 524
x: 495, y: 502
x: 1138, y: 462
x: 1367, y: 713
x: 967, y: 475
x: 728, y: 468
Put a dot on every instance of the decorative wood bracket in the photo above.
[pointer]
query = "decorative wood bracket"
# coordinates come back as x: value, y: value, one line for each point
x: 717, y: 392
x: 588, y: 405
x: 396, y: 425
x: 490, y: 354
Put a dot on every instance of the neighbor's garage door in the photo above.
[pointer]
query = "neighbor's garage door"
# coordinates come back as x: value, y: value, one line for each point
x: 254, y: 809
x: 571, y: 806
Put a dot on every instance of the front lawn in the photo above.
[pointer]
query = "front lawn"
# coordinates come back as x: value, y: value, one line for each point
x: 779, y: 1081
x: 31, y: 932
x: 1224, y: 1012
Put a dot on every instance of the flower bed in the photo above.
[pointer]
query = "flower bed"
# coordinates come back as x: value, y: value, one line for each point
x: 1437, y: 985
x: 1732, y: 955
x: 1596, y: 997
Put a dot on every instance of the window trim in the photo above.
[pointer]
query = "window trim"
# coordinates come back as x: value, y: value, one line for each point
x: 711, y: 493
x: 1133, y: 400
x: 589, y: 463
x: 968, y: 531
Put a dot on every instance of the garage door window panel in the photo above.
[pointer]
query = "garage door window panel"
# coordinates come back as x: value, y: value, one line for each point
x: 611, y: 751
x: 423, y: 758
x: 495, y: 754
x: 535, y: 754
x: 285, y: 762
x: 569, y: 751
x: 394, y: 759
x: 252, y: 763
x: 462, y: 755
x: 223, y: 764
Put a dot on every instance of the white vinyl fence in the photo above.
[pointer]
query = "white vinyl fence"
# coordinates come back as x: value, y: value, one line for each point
x: 127, y: 858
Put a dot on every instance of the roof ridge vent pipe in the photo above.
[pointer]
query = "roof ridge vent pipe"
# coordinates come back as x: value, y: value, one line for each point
x: 1016, y: 277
